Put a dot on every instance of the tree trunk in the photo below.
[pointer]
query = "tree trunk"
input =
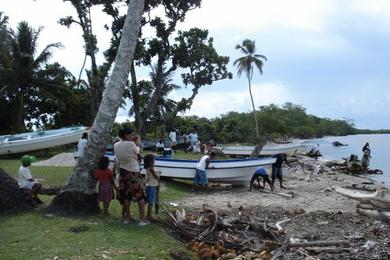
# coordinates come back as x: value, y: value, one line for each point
x: 20, y: 118
x: 254, y: 109
x: 79, y: 195
x: 139, y: 121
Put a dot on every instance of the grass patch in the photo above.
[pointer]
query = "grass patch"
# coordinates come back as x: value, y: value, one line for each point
x: 36, y: 235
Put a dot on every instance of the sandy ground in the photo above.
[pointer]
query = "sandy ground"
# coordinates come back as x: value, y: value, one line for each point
x: 309, y: 196
x: 62, y: 159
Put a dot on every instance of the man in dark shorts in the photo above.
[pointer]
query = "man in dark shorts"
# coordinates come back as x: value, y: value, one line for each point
x: 261, y: 172
x: 277, y: 168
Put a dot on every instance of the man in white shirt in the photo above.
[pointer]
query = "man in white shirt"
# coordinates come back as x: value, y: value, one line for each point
x: 26, y: 181
x: 200, y: 178
x: 172, y: 136
x: 81, y: 145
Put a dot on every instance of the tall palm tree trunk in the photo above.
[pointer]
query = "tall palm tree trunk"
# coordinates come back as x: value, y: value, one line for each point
x: 254, y: 108
x: 79, y: 195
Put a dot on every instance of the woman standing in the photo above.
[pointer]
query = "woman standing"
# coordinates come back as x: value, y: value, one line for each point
x: 130, y: 180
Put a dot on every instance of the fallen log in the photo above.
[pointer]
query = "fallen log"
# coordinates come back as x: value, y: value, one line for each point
x: 331, y: 250
x: 279, y: 224
x: 50, y: 190
x: 286, y: 195
x: 320, y: 243
x: 371, y: 198
x: 374, y: 213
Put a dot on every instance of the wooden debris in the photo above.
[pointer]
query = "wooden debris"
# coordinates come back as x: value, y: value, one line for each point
x: 320, y: 243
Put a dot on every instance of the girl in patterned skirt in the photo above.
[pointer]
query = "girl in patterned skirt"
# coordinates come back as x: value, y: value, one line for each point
x: 106, y: 183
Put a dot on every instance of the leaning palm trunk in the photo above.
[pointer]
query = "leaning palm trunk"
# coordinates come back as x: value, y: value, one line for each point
x: 79, y: 194
x: 254, y: 110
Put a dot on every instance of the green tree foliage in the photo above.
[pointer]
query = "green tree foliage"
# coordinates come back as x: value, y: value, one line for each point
x: 289, y: 120
x: 246, y: 64
x: 26, y: 77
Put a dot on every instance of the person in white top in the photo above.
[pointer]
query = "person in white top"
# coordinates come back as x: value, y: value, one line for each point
x: 160, y: 146
x: 26, y: 181
x: 81, y: 145
x: 152, y: 178
x: 130, y: 180
x: 200, y: 178
x: 172, y: 136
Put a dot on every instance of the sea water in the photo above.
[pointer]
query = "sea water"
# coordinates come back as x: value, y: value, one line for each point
x: 379, y: 145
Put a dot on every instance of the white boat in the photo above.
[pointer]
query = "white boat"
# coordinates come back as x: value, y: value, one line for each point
x: 268, y: 149
x: 237, y: 172
x: 26, y: 142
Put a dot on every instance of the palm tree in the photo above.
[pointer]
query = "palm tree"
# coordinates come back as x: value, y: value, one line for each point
x: 79, y: 193
x: 23, y: 73
x: 246, y: 64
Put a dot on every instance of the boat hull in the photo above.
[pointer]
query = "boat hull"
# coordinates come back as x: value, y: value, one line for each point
x: 267, y: 150
x: 236, y: 172
x: 31, y: 141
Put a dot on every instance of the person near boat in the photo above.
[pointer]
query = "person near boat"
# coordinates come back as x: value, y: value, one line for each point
x: 131, y: 186
x: 160, y: 147
x: 200, y: 179
x: 172, y: 137
x: 260, y: 173
x: 152, y: 177
x: 277, y: 168
x: 193, y: 138
x: 26, y: 181
x: 81, y: 145
x: 105, y: 176
x: 186, y: 141
x: 366, y: 149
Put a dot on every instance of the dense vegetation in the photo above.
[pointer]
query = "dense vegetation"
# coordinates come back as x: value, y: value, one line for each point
x: 288, y: 120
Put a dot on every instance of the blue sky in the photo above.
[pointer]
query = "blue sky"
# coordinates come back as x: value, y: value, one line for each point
x: 330, y: 56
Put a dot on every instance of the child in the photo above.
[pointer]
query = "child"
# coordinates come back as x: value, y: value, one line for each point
x: 152, y: 182
x: 26, y: 181
x: 260, y: 172
x: 106, y: 183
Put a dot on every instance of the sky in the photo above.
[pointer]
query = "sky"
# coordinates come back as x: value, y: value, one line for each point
x: 330, y: 56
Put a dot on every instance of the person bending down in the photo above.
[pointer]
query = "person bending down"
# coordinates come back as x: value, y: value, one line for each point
x: 261, y: 172
x: 200, y: 178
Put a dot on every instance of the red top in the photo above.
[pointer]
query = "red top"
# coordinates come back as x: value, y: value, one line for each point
x: 103, y: 175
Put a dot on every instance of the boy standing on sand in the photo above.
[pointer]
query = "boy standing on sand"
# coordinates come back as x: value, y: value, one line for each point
x: 277, y: 168
x: 200, y: 178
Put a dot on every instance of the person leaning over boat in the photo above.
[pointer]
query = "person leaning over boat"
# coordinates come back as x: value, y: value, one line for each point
x: 26, y: 181
x: 81, y: 145
x: 130, y: 180
x: 260, y: 172
x: 200, y: 178
x: 277, y: 168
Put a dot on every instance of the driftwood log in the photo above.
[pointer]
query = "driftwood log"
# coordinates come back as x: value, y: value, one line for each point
x: 372, y: 204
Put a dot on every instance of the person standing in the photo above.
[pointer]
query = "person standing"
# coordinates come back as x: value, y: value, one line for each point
x: 366, y: 149
x: 152, y: 177
x: 130, y: 180
x: 186, y: 141
x: 172, y: 137
x: 277, y: 168
x: 26, y: 181
x: 200, y: 178
x: 105, y: 177
x: 81, y: 145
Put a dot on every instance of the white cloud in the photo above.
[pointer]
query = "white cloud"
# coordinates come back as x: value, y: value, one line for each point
x: 250, y: 16
x: 212, y: 103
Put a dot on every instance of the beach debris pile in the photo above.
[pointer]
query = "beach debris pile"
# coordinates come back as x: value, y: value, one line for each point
x: 278, y: 234
x: 11, y: 196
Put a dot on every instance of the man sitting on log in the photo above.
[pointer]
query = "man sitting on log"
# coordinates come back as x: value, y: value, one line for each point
x: 260, y: 172
x: 26, y: 181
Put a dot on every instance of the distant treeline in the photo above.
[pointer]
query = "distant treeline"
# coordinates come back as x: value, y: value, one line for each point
x: 289, y: 120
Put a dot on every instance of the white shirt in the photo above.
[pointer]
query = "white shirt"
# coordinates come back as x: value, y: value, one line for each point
x: 172, y: 136
x: 202, y: 163
x: 126, y: 153
x: 193, y: 138
x: 80, y: 147
x: 160, y: 145
x: 24, y: 175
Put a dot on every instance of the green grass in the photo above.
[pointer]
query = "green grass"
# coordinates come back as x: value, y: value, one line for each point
x: 35, y: 235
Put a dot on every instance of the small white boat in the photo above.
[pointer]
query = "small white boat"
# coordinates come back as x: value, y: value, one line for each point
x: 237, y: 172
x: 26, y: 142
x: 268, y: 149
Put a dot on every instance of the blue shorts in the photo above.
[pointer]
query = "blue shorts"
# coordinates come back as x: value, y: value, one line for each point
x: 151, y: 194
x: 200, y: 178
